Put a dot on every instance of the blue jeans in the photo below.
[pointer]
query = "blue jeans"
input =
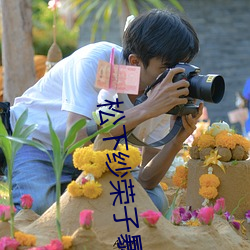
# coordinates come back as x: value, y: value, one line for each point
x: 33, y: 174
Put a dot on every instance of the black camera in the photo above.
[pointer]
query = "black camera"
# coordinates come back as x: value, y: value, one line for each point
x: 209, y: 88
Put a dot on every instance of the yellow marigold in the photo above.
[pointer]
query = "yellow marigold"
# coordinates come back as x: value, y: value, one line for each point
x: 225, y: 139
x: 206, y: 141
x: 92, y: 189
x: 193, y: 223
x: 67, y: 242
x: 180, y: 177
x: 134, y: 153
x: 100, y: 158
x: 242, y: 141
x: 209, y: 180
x: 208, y: 192
x: 27, y: 240
x: 93, y: 169
x: 75, y: 189
x: 164, y: 186
x: 82, y: 156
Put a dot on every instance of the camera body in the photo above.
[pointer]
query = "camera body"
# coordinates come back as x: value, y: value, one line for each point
x: 209, y: 88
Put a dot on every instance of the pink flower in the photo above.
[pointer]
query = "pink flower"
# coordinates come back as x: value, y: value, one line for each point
x: 54, y: 4
x: 5, y: 212
x: 86, y: 218
x: 84, y: 180
x: 206, y: 215
x: 150, y: 217
x: 8, y: 243
x: 26, y: 201
x: 55, y: 245
x: 176, y: 217
x: 219, y: 206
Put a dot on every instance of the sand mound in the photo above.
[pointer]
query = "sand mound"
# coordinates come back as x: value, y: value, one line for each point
x: 105, y: 231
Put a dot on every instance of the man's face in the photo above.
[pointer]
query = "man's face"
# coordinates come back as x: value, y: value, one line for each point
x: 148, y: 75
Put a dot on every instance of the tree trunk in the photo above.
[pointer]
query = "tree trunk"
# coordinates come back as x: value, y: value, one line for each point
x: 17, y: 47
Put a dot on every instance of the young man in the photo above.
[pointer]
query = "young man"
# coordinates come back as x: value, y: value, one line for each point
x: 154, y: 41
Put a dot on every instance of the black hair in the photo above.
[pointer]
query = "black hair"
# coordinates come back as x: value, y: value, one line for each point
x: 161, y: 34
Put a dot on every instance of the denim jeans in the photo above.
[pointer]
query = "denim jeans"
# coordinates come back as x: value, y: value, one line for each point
x: 33, y: 174
x: 156, y: 194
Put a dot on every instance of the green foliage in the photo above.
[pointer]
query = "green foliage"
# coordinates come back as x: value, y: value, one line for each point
x: 60, y: 152
x: 9, y: 149
x: 42, y: 19
x: 101, y: 11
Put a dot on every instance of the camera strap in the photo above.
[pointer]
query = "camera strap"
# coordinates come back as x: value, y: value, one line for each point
x: 173, y: 132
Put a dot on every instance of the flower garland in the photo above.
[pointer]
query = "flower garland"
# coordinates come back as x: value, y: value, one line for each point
x: 93, y: 164
x: 180, y: 177
x: 208, y: 186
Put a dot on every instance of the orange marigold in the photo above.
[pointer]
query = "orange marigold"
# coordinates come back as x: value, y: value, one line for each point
x: 180, y: 177
x: 225, y: 139
x: 206, y: 141
x: 209, y: 180
x: 243, y: 141
x: 67, y: 242
x: 24, y: 239
x: 208, y: 192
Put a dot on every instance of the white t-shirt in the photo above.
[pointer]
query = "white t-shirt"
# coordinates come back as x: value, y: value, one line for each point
x: 69, y: 86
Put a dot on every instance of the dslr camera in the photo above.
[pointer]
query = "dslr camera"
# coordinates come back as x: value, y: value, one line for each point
x: 209, y: 88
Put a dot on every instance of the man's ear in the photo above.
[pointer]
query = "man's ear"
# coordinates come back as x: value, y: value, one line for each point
x: 134, y: 60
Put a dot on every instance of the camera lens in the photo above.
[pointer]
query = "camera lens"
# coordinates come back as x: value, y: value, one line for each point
x: 209, y: 88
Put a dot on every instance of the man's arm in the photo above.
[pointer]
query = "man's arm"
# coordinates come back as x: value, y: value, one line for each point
x: 151, y: 173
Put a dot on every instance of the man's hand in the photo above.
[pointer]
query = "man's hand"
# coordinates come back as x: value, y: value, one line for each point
x: 167, y: 94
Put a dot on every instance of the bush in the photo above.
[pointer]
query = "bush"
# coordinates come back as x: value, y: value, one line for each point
x: 42, y: 19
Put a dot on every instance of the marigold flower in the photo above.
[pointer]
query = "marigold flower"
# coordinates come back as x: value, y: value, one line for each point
x: 193, y: 223
x: 92, y: 189
x: 206, y: 141
x: 206, y: 215
x: 164, y: 186
x: 226, y: 140
x: 82, y: 156
x: 208, y: 192
x: 209, y: 180
x: 27, y: 240
x: 75, y: 189
x: 242, y: 141
x: 93, y: 169
x: 67, y: 242
x: 150, y: 217
x: 86, y: 218
x: 26, y: 201
x: 180, y: 177
x: 8, y: 243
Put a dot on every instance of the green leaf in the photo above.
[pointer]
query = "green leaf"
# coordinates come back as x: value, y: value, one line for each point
x: 71, y: 136
x: 85, y: 140
x: 20, y: 123
x: 56, y: 147
x: 32, y: 143
x: 172, y: 207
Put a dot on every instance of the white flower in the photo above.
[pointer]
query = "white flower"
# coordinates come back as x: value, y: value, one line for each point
x: 217, y: 127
